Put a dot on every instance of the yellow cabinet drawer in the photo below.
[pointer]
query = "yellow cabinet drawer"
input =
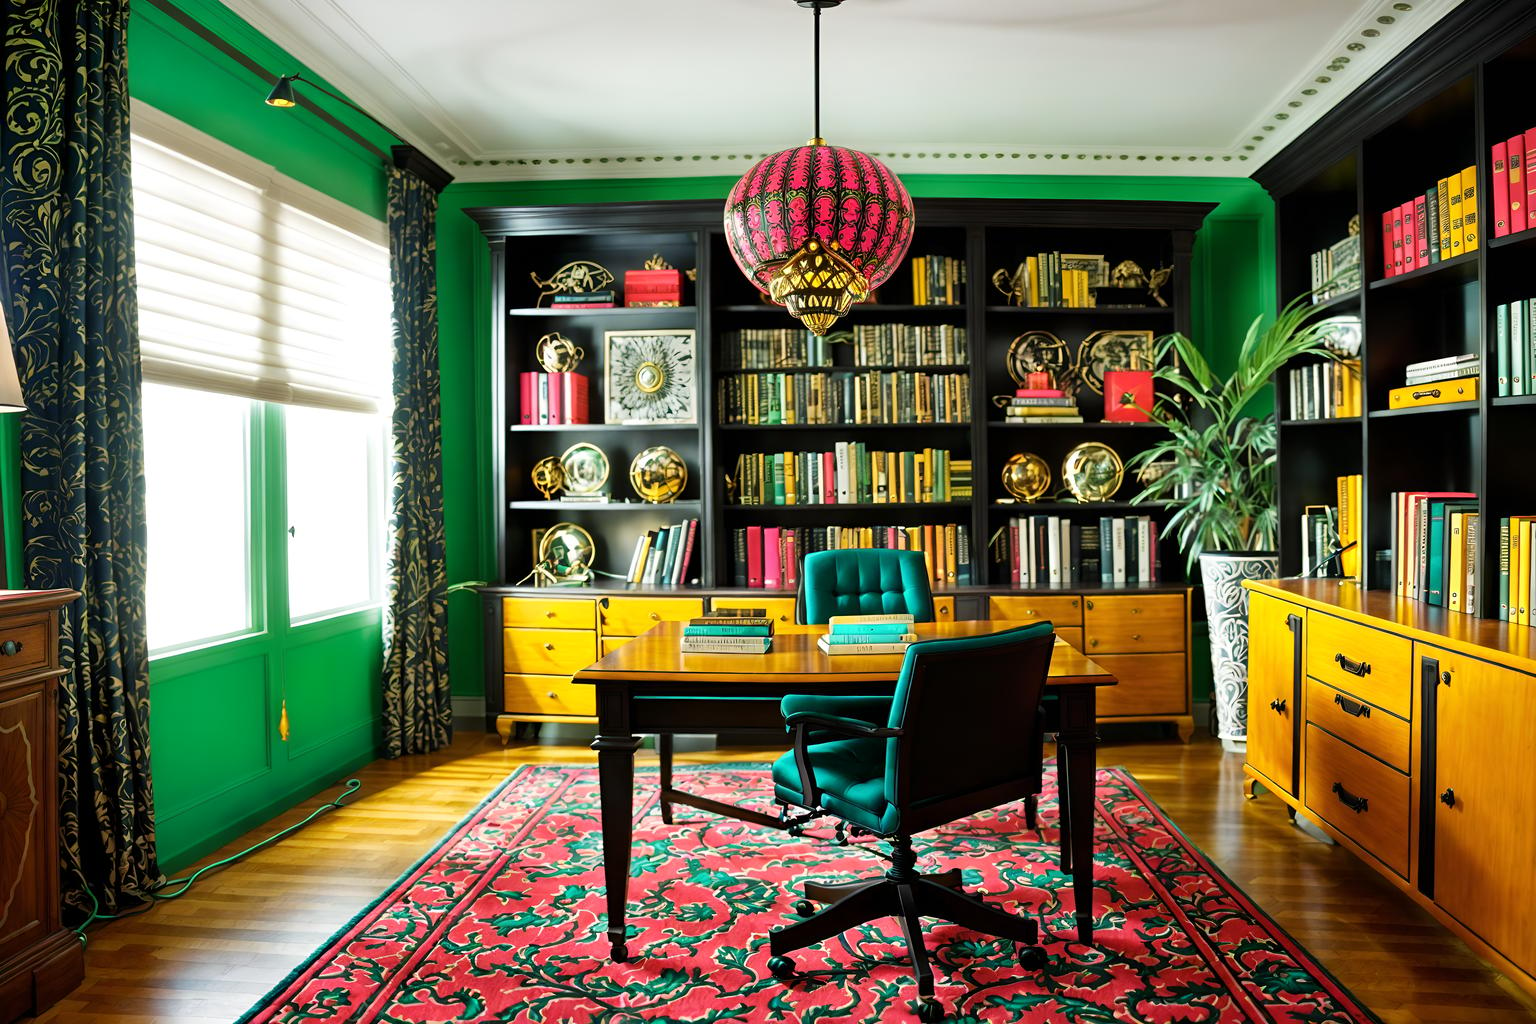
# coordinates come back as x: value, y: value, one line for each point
x: 1358, y: 795
x: 779, y: 609
x: 1072, y: 635
x: 552, y: 651
x: 1063, y: 610
x: 1127, y: 624
x: 1373, y: 730
x: 631, y: 616
x: 1367, y: 663
x: 546, y: 695
x: 548, y: 612
x: 24, y: 644
x: 1148, y: 684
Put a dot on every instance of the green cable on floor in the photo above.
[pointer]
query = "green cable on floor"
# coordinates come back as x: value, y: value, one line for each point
x: 352, y: 786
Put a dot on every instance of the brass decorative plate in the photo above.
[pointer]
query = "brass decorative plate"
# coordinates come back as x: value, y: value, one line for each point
x: 1036, y: 351
x: 658, y: 474
x: 586, y: 468
x: 1026, y: 476
x: 1114, y: 350
x: 1092, y: 471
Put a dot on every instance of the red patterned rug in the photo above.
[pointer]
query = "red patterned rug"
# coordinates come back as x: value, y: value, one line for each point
x: 504, y: 922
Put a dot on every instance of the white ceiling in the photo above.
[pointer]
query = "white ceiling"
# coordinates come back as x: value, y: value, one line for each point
x: 499, y: 90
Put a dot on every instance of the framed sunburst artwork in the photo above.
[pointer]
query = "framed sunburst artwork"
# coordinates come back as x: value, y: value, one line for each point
x: 648, y: 377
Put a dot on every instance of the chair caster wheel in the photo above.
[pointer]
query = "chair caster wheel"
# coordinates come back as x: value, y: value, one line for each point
x: 1033, y: 958
x: 781, y: 966
x: 930, y: 1010
x: 805, y: 908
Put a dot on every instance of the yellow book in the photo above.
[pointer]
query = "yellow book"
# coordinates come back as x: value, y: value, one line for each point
x: 791, y: 477
x: 1456, y: 572
x: 1347, y: 515
x: 1519, y: 569
x: 1443, y: 201
x: 1453, y: 189
x: 645, y: 550
x: 951, y: 533
x: 1469, y: 210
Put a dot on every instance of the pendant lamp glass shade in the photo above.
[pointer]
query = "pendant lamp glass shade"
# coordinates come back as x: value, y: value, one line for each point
x: 10, y: 383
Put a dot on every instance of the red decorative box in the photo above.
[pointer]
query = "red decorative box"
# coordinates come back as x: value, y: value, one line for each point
x: 653, y: 287
x: 1123, y: 391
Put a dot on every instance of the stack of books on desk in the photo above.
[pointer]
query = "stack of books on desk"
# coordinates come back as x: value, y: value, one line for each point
x: 867, y: 634
x: 728, y: 634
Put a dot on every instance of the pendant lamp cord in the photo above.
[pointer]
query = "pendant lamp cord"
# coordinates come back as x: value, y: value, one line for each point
x: 817, y: 76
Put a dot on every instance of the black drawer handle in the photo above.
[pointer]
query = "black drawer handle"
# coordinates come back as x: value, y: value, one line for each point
x: 10, y: 647
x: 1278, y: 705
x: 1431, y: 393
x: 1348, y: 799
x: 1448, y: 797
x: 1354, y: 668
x: 1352, y: 707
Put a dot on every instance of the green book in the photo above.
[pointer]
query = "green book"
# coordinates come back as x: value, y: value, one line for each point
x: 1519, y: 351
x: 727, y: 631
x: 778, y: 478
x: 1502, y: 321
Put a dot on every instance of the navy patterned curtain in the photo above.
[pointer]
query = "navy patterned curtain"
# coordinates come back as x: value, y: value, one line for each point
x: 67, y: 208
x: 418, y: 710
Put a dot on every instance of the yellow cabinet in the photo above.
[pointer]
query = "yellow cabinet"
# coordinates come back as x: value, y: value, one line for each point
x: 631, y: 616
x: 1062, y: 610
x: 1139, y: 624
x: 1274, y: 689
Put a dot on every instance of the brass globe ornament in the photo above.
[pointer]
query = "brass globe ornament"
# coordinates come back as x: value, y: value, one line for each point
x: 557, y: 353
x: 566, y: 553
x: 1092, y: 472
x: 658, y: 474
x: 548, y: 476
x: 1026, y: 476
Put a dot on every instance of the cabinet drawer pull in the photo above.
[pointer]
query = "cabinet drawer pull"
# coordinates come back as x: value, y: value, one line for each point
x: 1089, y: 604
x: 1093, y: 643
x: 655, y: 617
x: 1135, y: 636
x: 549, y: 647
x: 1431, y: 393
x: 549, y: 614
x: 1029, y: 613
x: 1348, y: 799
x: 944, y: 610
x: 10, y: 647
x: 1352, y: 707
x: 1354, y: 668
x: 1135, y: 611
x: 1278, y: 705
x: 1448, y: 797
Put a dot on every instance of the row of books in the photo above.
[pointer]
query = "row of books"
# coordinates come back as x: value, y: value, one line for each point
x: 909, y: 345
x: 1517, y: 583
x: 1063, y: 279
x: 778, y: 348
x: 871, y: 396
x: 770, y: 556
x: 1438, y: 225
x: 1325, y: 390
x: 1336, y: 269
x: 1041, y: 405
x: 728, y: 634
x: 664, y: 556
x: 1434, y: 547
x: 1512, y: 187
x: 1330, y: 534
x: 1515, y: 345
x: 868, y: 634
x: 938, y: 281
x: 851, y: 474
x: 544, y: 398
x: 1043, y: 550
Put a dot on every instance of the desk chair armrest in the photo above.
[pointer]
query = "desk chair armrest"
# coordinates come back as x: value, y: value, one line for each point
x: 802, y: 722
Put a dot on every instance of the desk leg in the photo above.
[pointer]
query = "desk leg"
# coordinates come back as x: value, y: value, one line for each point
x: 615, y: 746
x: 1079, y: 742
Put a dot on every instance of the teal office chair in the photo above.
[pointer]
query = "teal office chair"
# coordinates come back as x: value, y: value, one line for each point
x: 863, y: 581
x: 953, y: 740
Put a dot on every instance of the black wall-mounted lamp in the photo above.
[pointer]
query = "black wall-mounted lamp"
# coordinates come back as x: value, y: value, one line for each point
x: 405, y: 156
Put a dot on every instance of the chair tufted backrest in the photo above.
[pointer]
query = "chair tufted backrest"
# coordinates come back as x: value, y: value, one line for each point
x: 865, y: 582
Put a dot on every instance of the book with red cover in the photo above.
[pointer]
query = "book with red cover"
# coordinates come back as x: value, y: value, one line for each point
x: 1013, y: 551
x: 584, y: 305
x: 576, y: 408
x: 1386, y: 246
x: 1410, y: 238
x: 1500, y: 175
x: 556, y: 398
x: 1039, y: 393
x: 527, y: 397
x: 754, y: 556
x: 791, y: 561
x: 829, y: 476
x: 1420, y: 232
x: 693, y: 532
x: 1530, y: 183
x: 771, y: 578
x: 1118, y: 384
x: 1516, y: 148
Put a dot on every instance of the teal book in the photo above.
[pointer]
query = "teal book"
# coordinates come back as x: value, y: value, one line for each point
x: 1502, y: 321
x: 727, y: 631
x: 868, y: 628
x: 870, y: 638
x: 778, y: 478
x: 1519, y: 351
x: 1434, y: 592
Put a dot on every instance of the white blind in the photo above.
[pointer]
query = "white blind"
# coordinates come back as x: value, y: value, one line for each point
x: 251, y: 283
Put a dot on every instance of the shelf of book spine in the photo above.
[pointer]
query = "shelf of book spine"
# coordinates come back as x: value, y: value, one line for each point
x: 850, y: 473
x: 844, y: 397
x: 1042, y: 550
x: 769, y: 557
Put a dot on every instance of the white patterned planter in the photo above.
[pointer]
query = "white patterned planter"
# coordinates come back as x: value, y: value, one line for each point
x: 1226, y: 607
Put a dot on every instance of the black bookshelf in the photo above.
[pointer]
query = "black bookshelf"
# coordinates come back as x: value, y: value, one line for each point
x: 985, y: 234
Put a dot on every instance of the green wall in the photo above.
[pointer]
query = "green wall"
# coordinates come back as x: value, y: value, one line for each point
x: 1233, y: 282
x: 220, y: 767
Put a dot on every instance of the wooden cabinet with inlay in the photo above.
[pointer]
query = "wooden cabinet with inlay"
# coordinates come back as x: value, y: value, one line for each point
x: 40, y: 960
x: 1417, y: 748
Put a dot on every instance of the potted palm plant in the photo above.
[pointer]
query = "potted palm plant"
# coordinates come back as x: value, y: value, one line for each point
x: 1216, y: 470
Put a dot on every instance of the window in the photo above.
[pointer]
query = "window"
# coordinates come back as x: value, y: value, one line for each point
x: 197, y: 476
x: 264, y: 322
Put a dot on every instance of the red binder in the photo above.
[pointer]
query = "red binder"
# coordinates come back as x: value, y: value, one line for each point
x: 1500, y: 189
x: 1516, y: 147
x: 754, y: 556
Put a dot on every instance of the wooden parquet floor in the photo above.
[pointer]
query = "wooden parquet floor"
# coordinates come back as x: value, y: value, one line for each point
x: 206, y: 957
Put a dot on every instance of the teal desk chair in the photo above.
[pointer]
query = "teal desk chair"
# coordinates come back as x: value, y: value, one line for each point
x: 863, y: 581
x: 932, y: 753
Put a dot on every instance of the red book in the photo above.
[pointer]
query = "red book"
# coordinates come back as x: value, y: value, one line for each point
x: 772, y: 580
x: 1397, y: 240
x: 1386, y: 244
x: 1039, y: 393
x: 526, y: 397
x: 692, y: 532
x: 829, y: 477
x: 579, y: 411
x: 1500, y: 189
x: 585, y: 305
x: 1421, y: 232
x: 1154, y: 562
x: 1410, y: 239
x: 791, y: 561
x: 1516, y: 147
x: 754, y: 556
x: 1013, y: 551
x: 1530, y: 183
x: 556, y: 397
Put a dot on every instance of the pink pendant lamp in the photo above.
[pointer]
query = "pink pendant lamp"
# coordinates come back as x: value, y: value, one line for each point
x: 818, y: 227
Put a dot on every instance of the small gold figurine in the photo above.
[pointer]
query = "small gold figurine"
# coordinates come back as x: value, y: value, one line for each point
x: 1160, y: 277
x: 1012, y: 285
x: 576, y: 276
x: 548, y: 476
x: 658, y: 262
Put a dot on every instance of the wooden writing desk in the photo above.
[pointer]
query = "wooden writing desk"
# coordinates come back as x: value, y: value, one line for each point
x: 650, y: 686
